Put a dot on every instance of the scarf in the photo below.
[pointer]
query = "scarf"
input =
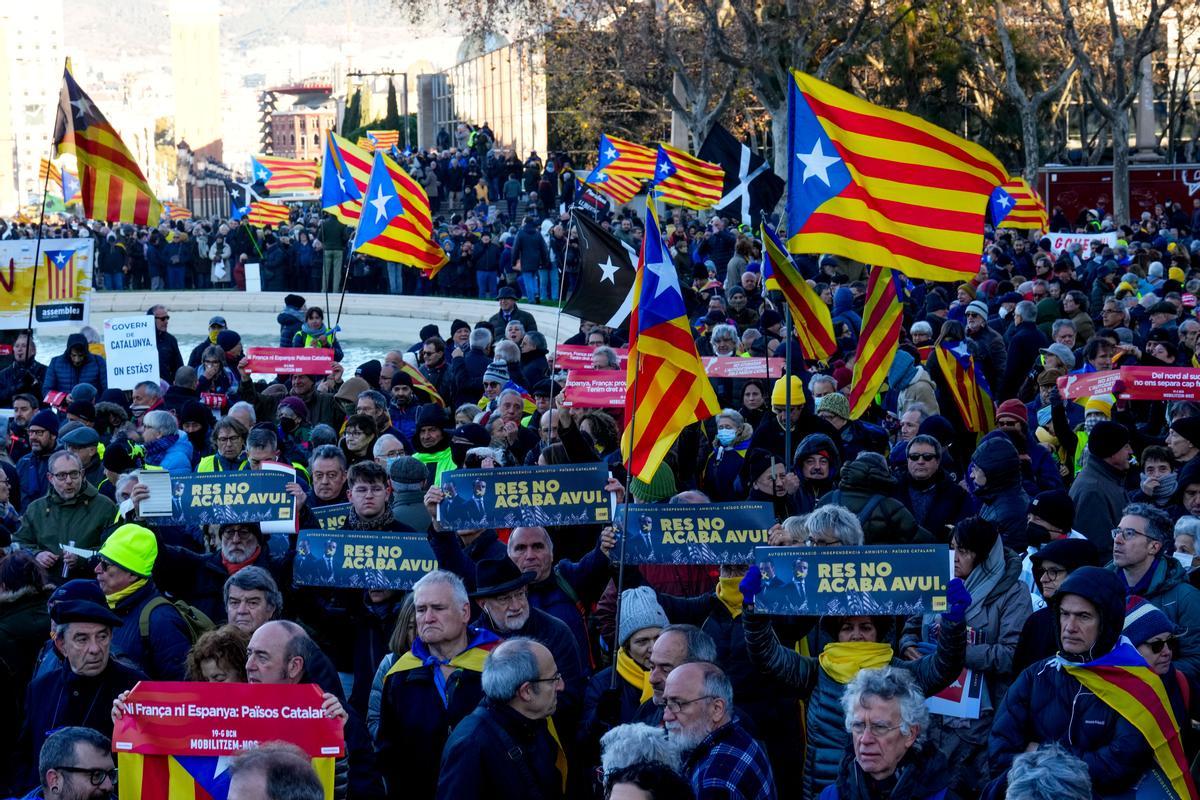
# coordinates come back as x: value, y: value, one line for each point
x: 356, y: 523
x: 730, y: 595
x: 1125, y: 684
x: 231, y: 568
x: 121, y: 594
x: 1143, y: 584
x: 1165, y: 490
x: 843, y: 660
x: 159, y: 447
x: 479, y: 643
x: 634, y: 675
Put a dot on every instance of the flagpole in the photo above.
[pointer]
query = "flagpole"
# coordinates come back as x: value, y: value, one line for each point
x: 562, y: 282
x: 787, y: 386
x: 37, y: 250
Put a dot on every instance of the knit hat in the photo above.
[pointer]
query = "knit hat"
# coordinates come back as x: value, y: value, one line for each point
x: 1063, y: 353
x: 369, y: 371
x: 1099, y: 404
x: 1188, y: 428
x: 458, y: 325
x: 351, y: 389
x: 1177, y: 274
x: 117, y: 458
x: 1049, y: 377
x: 639, y: 610
x: 968, y: 288
x: 227, y: 339
x: 429, y: 331
x: 842, y: 376
x: 769, y: 319
x: 133, y: 548
x: 476, y: 435
x: 83, y: 392
x: 83, y: 409
x: 406, y: 469
x: 1071, y: 553
x: 835, y: 403
x: 295, y: 405
x: 780, y: 389
x: 496, y: 372
x: 977, y: 535
x: 1144, y: 621
x: 293, y: 301
x: 1056, y: 507
x: 1013, y: 408
x: 1107, y: 438
x: 45, y: 419
x: 977, y: 307
x: 195, y: 411
x: 660, y: 488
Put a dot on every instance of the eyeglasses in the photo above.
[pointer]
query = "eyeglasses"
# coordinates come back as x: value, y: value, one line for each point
x: 555, y: 678
x: 369, y: 488
x: 163, y: 318
x: 922, y: 456
x: 1053, y: 573
x: 1125, y: 534
x: 675, y: 706
x: 878, y: 729
x: 1157, y: 645
x: 67, y: 476
x: 96, y: 776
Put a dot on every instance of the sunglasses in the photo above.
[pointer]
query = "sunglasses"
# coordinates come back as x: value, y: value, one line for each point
x: 1158, y: 644
x: 922, y: 456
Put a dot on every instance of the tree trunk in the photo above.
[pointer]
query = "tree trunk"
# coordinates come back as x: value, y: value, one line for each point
x: 1029, y: 135
x: 779, y: 139
x: 1120, y: 184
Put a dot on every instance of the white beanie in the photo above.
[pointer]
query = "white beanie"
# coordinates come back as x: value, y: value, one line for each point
x: 1155, y: 269
x: 639, y: 609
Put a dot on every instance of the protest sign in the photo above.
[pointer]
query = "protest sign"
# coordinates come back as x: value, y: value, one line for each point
x: 216, y: 498
x: 64, y: 283
x: 132, y: 351
x: 290, y: 360
x: 1160, y: 383
x: 1088, y: 384
x: 1090, y: 241
x: 705, y: 533
x: 579, y: 356
x: 737, y: 367
x: 361, y: 559
x: 594, y: 388
x: 853, y: 581
x: 173, y: 737
x: 510, y: 497
x: 331, y: 518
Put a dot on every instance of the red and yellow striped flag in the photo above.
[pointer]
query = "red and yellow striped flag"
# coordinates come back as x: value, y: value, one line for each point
x: 667, y: 388
x: 422, y: 384
x: 114, y: 188
x: 175, y: 211
x: 877, y: 341
x: 811, y: 318
x: 622, y: 167
x: 263, y: 213
x: 48, y: 170
x: 1030, y: 212
x: 682, y: 179
x: 883, y: 187
x: 289, y: 174
x: 379, y: 140
x: 972, y: 396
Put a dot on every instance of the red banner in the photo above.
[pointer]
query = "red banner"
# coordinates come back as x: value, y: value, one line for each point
x: 579, y: 356
x: 738, y: 367
x: 290, y: 360
x: 221, y: 719
x: 594, y: 388
x: 1135, y: 383
x: 1087, y: 384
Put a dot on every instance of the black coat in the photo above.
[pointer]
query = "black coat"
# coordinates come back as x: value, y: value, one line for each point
x: 21, y: 377
x: 169, y: 357
x: 199, y: 578
x: 1024, y: 343
x: 498, y: 754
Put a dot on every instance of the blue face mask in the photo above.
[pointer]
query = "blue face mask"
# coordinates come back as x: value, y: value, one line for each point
x: 725, y: 437
x: 391, y: 460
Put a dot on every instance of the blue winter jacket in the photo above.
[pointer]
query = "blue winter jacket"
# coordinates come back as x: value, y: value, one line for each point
x: 162, y: 655
x: 63, y: 376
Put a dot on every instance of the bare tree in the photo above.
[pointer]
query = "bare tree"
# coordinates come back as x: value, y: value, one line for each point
x: 1109, y: 61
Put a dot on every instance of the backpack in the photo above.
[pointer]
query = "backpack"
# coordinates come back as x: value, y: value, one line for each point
x: 197, y: 621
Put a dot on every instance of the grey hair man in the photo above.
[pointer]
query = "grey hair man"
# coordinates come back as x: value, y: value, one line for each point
x: 252, y: 599
x: 274, y: 771
x: 636, y: 743
x: 676, y: 645
x: 832, y: 526
x: 1048, y: 773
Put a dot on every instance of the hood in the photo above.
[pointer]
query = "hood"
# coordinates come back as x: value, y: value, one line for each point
x: 820, y: 443
x: 998, y: 459
x: 1103, y: 589
x: 1166, y: 579
x: 843, y: 300
x: 902, y: 372
x: 1071, y: 553
x: 867, y: 475
x: 75, y: 339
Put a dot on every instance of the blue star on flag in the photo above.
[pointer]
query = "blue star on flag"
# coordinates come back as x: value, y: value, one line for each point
x: 261, y: 173
x: 1000, y: 204
x: 381, y: 203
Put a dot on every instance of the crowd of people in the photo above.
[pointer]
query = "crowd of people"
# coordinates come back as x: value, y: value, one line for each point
x: 517, y: 668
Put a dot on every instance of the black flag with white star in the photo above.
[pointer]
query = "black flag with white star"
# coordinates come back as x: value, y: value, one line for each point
x: 606, y: 269
x: 240, y: 196
x: 750, y: 188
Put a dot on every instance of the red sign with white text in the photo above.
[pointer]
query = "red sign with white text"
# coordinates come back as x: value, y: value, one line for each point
x: 1087, y: 384
x: 222, y: 719
x: 290, y: 360
x: 594, y: 388
x: 738, y: 367
x: 1135, y: 383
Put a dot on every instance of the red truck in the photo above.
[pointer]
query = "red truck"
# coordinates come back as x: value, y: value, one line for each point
x: 1077, y: 188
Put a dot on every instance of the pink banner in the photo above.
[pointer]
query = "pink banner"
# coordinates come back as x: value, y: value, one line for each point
x: 1087, y: 384
x: 1135, y: 383
x: 594, y: 388
x: 737, y: 367
x: 290, y: 360
x: 579, y: 356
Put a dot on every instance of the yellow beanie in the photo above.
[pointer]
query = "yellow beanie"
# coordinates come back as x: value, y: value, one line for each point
x: 1125, y: 286
x: 1099, y: 404
x: 1176, y: 274
x: 779, y: 392
x: 133, y: 548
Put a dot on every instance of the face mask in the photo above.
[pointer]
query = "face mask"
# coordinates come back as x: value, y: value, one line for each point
x: 1186, y: 559
x: 1037, y: 534
x: 458, y: 451
x: 390, y: 460
x: 726, y: 437
x: 139, y: 411
x: 289, y: 424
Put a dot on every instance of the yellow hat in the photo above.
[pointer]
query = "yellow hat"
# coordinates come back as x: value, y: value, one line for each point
x: 1099, y: 404
x: 1176, y: 274
x: 779, y: 392
x: 132, y: 548
x: 1046, y: 437
x: 1125, y: 286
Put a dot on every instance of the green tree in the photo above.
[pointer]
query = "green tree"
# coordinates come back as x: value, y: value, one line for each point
x: 353, y: 116
x: 391, y: 120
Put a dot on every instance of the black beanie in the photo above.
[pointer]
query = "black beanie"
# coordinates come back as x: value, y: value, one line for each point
x: 977, y: 535
x: 1107, y: 438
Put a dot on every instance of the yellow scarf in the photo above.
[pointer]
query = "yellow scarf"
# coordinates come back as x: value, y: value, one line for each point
x: 560, y: 758
x: 730, y: 595
x: 634, y: 675
x: 843, y: 660
x: 121, y: 594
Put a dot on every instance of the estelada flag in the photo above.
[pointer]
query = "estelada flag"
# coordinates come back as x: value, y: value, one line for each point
x: 812, y: 321
x: 883, y: 187
x: 1029, y: 213
x: 682, y: 179
x: 393, y: 224
x: 60, y: 274
x: 263, y: 213
x: 422, y: 384
x: 878, y: 339
x: 968, y: 387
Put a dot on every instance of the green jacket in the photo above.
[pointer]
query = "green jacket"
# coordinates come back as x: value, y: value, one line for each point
x: 50, y: 521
